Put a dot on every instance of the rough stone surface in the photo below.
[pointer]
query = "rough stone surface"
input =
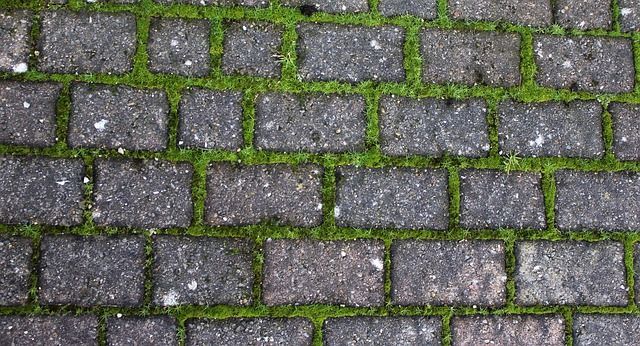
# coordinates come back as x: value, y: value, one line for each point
x: 466, y: 57
x: 202, y: 271
x: 252, y: 48
x: 28, y: 113
x: 315, y: 123
x: 249, y: 331
x: 95, y: 270
x: 179, y: 46
x: 508, y: 330
x: 629, y: 15
x: 144, y: 194
x: 420, y: 331
x: 15, y: 31
x: 142, y: 331
x: 636, y: 266
x: 614, y: 330
x: 450, y: 273
x: 83, y: 42
x: 113, y: 117
x: 350, y: 54
x: 433, y: 127
x: 583, y: 14
x: 494, y: 199
x: 331, y: 6
x: 15, y: 268
x: 244, y: 195
x: 523, y: 12
x: 426, y: 9
x: 563, y: 129
x: 298, y: 272
x: 248, y: 3
x: 49, y: 330
x: 626, y: 130
x: 595, y: 64
x: 570, y: 273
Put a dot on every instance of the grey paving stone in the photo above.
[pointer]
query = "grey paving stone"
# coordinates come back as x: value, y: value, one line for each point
x: 202, y: 271
x: 508, y: 330
x: 350, y: 54
x: 636, y: 266
x: 244, y: 195
x: 422, y: 331
x: 448, y: 273
x: 433, y: 127
x: 331, y: 6
x: 48, y: 330
x: 629, y: 15
x: 570, y: 273
x: 494, y: 199
x: 87, y: 42
x: 144, y: 194
x: 523, y: 12
x: 606, y: 329
x: 597, y: 201
x: 142, y: 331
x: 179, y: 46
x: 583, y: 14
x: 15, y: 268
x: 249, y: 3
x: 426, y: 9
x: 252, y: 48
x: 95, y: 270
x: 15, y: 40
x: 299, y: 272
x: 391, y: 198
x: 113, y: 117
x: 563, y: 129
x: 28, y: 113
x: 466, y: 57
x: 39, y: 190
x: 317, y: 123
x: 210, y: 119
x: 249, y: 331
x: 626, y: 130
x: 596, y: 64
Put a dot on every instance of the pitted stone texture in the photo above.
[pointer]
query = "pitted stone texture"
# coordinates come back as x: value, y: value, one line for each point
x: 523, y: 12
x: 15, y: 268
x: 248, y: 3
x: 508, y: 330
x: 202, y: 271
x: 629, y: 15
x: 570, y: 273
x: 609, y: 329
x: 426, y: 9
x: 40, y: 190
x: 331, y: 6
x: 15, y: 41
x: 95, y: 270
x: 636, y: 266
x: 448, y: 273
x: 252, y: 48
x: 493, y: 199
x: 28, y: 113
x: 466, y: 57
x: 626, y: 130
x: 350, y: 54
x: 179, y: 46
x: 595, y: 64
x: 317, y: 123
x: 249, y: 331
x: 49, y: 330
x: 87, y: 42
x: 142, y: 194
x: 113, y: 117
x: 244, y: 195
x: 433, y: 127
x: 583, y: 14
x: 298, y: 272
x: 142, y: 331
x: 563, y: 129
x: 422, y: 331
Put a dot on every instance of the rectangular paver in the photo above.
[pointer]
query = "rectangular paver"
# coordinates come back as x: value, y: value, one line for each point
x: 626, y: 130
x: 248, y: 3
x: 252, y: 48
x: 606, y: 329
x: 523, y: 12
x: 629, y: 15
x: 330, y: 6
x: 15, y: 269
x: 15, y: 46
x: 49, y: 330
x: 423, y: 331
x: 249, y: 331
x: 142, y: 331
x: 636, y: 267
x: 508, y: 330
x: 426, y: 9
x: 583, y: 14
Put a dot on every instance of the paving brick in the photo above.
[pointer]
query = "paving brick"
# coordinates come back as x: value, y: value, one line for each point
x: 626, y: 130
x: 433, y: 127
x: 426, y: 9
x: 583, y: 14
x: 202, y: 271
x: 508, y: 330
x: 350, y: 54
x: 494, y: 199
x: 524, y: 12
x: 144, y: 194
x: 317, y: 123
x: 566, y: 129
x: 15, y: 268
x: 95, y: 270
x: 596, y: 64
x: 636, y: 266
x: 570, y: 273
x: 607, y: 329
x: 15, y: 41
x: 421, y: 331
x: 87, y: 42
x: 40, y: 190
x: 299, y: 272
x: 245, y: 195
x: 330, y: 6
x: 248, y: 3
x: 252, y: 48
x: 48, y: 330
x: 629, y: 15
x: 466, y: 57
x: 142, y: 331
x: 28, y: 113
x: 179, y: 46
x: 113, y: 117
x: 448, y: 273
x: 249, y: 331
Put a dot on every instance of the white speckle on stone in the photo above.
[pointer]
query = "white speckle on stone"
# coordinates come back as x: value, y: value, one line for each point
x: 377, y: 263
x: 119, y: 315
x: 62, y: 182
x: 336, y: 211
x: 86, y: 180
x: 193, y: 285
x: 101, y: 124
x: 623, y: 139
x: 375, y: 45
x: 538, y: 141
x: 626, y: 11
x: 170, y: 298
x: 180, y: 142
x: 567, y: 64
x: 20, y: 68
x: 26, y: 104
x: 174, y: 43
x: 343, y: 254
x: 120, y: 151
x: 319, y: 206
x: 188, y: 63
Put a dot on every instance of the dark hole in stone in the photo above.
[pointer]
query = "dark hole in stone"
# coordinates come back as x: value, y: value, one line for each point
x: 308, y: 10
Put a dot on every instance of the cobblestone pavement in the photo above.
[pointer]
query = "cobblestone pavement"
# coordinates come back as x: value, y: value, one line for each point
x: 337, y: 172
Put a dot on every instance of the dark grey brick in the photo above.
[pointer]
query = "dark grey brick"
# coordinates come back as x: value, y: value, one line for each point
x: 15, y: 268
x: 179, y: 46
x: 508, y: 330
x: 249, y: 3
x: 636, y: 266
x: 210, y: 119
x: 245, y: 195
x: 48, y: 330
x: 298, y: 272
x: 350, y: 53
x: 252, y: 48
x: 466, y: 57
x: 202, y: 271
x: 317, y: 123
x: 113, y: 117
x: 331, y: 6
x: 249, y: 331
x: 41, y: 191
x: 523, y: 12
x: 494, y: 199
x: 570, y: 273
x: 567, y: 129
x: 144, y: 194
x: 433, y: 127
x: 626, y: 130
x: 448, y: 273
x: 611, y: 330
x: 142, y: 331
x: 28, y: 113
x: 420, y: 331
x: 583, y: 14
x: 629, y: 15
x: 586, y: 63
x: 426, y: 9
x: 95, y: 270
x: 15, y: 41
x: 87, y: 42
